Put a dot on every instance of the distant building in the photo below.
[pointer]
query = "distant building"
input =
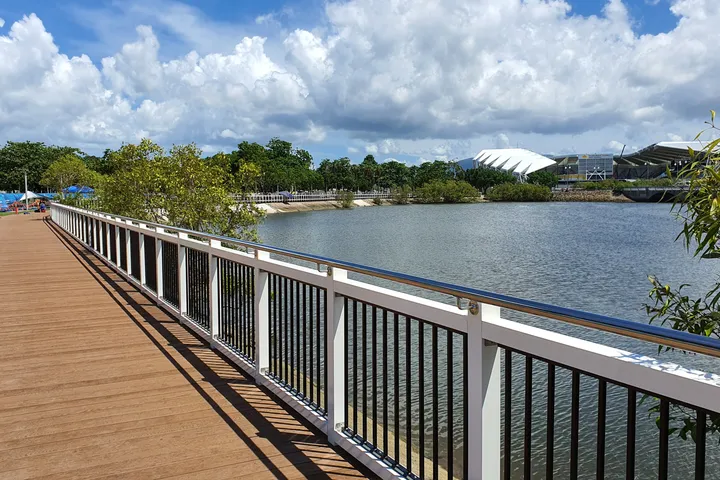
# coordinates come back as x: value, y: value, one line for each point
x: 650, y: 162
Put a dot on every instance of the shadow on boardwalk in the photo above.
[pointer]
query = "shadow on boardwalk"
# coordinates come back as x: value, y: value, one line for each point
x: 266, y: 439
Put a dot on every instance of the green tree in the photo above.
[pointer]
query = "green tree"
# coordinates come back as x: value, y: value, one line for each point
x: 485, y: 178
x: 33, y: 158
x: 68, y: 170
x: 401, y: 195
x: 179, y: 188
x: 393, y: 174
x: 102, y: 165
x: 543, y: 177
x: 368, y: 173
x: 432, y: 171
x: 700, y: 214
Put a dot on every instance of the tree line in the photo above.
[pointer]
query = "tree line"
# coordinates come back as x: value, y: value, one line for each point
x: 251, y: 167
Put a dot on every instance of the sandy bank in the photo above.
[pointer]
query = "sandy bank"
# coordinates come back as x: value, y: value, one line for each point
x: 271, y: 208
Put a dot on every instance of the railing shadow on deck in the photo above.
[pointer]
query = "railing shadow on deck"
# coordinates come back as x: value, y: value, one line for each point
x: 210, y: 365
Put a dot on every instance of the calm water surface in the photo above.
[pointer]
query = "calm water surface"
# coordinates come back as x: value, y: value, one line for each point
x: 589, y: 256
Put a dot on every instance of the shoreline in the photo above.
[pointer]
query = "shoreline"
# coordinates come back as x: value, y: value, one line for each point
x: 605, y: 196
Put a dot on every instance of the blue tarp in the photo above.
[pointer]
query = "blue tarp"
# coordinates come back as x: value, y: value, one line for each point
x: 286, y: 194
x: 78, y: 189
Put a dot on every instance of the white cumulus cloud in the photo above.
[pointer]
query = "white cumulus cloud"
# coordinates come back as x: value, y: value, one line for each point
x: 423, y: 78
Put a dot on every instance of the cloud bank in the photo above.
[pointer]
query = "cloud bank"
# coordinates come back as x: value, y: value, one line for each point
x: 393, y: 76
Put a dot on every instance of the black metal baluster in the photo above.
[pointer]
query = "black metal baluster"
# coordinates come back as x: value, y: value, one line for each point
x: 385, y: 425
x: 239, y: 340
x: 251, y: 300
x: 230, y: 301
x: 630, y: 448
x: 280, y: 343
x: 305, y: 287
x: 408, y: 394
x: 278, y: 327
x: 320, y: 401
x: 297, y: 336
x: 664, y: 437
x: 288, y: 330
x: 324, y: 347
x: 245, y: 347
x: 507, y: 414
x: 527, y: 460
x: 347, y: 361
x: 293, y: 335
x: 421, y: 394
x: 312, y: 351
x: 374, y: 394
x: 602, y: 411
x: 238, y: 308
x: 466, y: 406
x: 436, y: 402
x: 246, y: 311
x: 355, y: 368
x: 550, y: 441
x: 575, y: 425
x: 396, y: 381
x: 700, y: 438
x: 364, y: 372
x: 450, y: 435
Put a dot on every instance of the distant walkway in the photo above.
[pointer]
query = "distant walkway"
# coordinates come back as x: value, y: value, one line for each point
x: 98, y: 382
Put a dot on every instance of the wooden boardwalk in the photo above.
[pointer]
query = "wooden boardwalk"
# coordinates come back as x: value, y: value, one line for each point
x: 97, y: 382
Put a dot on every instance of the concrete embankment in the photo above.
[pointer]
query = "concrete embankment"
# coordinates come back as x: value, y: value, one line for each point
x: 589, y: 196
x: 271, y: 208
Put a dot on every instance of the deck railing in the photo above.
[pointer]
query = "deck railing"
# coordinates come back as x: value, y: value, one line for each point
x: 409, y: 386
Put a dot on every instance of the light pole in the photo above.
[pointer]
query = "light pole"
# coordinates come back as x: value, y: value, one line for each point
x: 26, y: 193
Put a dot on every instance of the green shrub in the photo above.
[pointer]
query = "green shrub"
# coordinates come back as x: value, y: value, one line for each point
x: 543, y: 177
x: 519, y: 192
x: 377, y: 201
x: 346, y: 199
x: 401, y: 195
x: 447, y: 191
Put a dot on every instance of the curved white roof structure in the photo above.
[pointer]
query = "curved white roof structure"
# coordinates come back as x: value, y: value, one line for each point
x: 513, y: 160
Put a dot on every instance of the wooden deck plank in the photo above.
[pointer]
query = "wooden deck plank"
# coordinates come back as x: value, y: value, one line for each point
x: 98, y: 382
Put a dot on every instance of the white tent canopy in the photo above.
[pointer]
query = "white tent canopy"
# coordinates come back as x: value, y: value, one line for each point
x: 29, y: 196
x: 512, y: 160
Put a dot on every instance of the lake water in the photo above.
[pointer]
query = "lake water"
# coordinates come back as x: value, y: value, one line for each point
x: 589, y: 256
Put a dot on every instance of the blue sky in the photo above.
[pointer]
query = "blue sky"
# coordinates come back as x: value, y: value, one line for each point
x: 413, y: 81
x: 72, y: 34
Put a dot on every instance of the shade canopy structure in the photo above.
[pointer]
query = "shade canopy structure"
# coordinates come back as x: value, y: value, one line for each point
x: 661, y: 153
x: 518, y: 161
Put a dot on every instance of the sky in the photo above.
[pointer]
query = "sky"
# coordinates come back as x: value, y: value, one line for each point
x: 412, y: 80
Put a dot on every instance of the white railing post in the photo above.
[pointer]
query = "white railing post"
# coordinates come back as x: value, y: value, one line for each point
x: 96, y: 235
x: 159, y: 264
x: 214, y: 285
x: 107, y: 239
x: 335, y: 344
x: 262, y: 317
x: 182, y: 275
x: 117, y: 246
x: 483, y: 397
x: 128, y: 249
x: 141, y: 254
